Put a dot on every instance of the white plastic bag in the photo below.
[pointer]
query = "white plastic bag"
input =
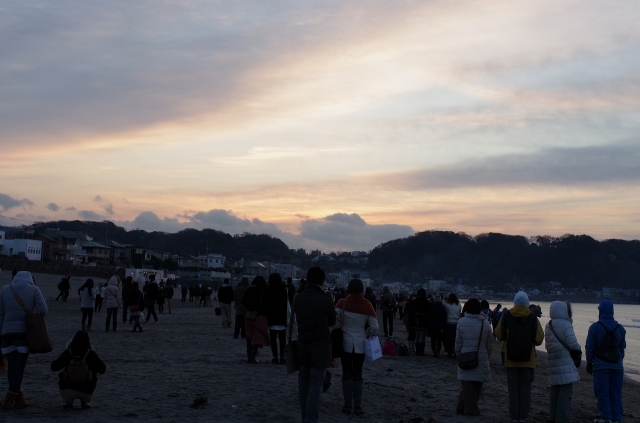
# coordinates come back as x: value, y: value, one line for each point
x: 372, y: 349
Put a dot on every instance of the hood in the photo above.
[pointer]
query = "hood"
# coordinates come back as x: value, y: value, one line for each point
x: 559, y: 310
x: 23, y: 277
x: 113, y: 280
x: 521, y: 299
x: 520, y: 311
x: 605, y: 307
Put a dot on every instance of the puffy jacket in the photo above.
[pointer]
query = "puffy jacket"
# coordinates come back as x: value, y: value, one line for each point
x: 467, y: 335
x: 519, y: 311
x: 112, y: 294
x: 11, y: 313
x: 453, y: 313
x: 419, y: 313
x: 357, y: 311
x: 87, y: 296
x: 561, y: 367
x: 93, y: 362
x: 597, y: 333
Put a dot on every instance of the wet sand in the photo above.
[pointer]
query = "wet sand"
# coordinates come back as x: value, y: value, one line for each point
x: 156, y: 375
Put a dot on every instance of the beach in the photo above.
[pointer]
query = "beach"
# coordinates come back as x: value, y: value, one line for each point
x: 157, y: 374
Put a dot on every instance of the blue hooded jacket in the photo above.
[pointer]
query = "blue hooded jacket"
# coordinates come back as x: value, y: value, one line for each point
x: 597, y: 333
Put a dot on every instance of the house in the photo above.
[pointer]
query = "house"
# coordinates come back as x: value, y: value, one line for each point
x: 29, y: 248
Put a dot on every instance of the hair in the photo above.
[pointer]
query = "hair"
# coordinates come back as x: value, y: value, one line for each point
x: 453, y: 298
x: 472, y: 306
x: 135, y: 286
x: 152, y: 277
x: 289, y: 280
x: 259, y: 282
x: 421, y: 293
x: 301, y: 285
x: 226, y: 280
x: 569, y: 312
x: 355, y: 286
x: 275, y: 279
x: 80, y: 343
x: 484, y: 304
x: 244, y: 280
x: 385, y: 289
x: 316, y: 275
x: 368, y: 290
x: 87, y: 284
x: 128, y: 279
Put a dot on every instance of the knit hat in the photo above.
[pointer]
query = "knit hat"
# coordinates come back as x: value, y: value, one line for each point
x: 521, y: 298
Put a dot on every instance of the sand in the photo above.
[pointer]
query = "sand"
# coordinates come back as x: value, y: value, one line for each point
x: 156, y: 375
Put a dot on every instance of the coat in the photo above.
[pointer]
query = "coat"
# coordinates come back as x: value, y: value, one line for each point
x: 93, y: 362
x: 597, y: 333
x: 561, y: 367
x: 357, y: 312
x: 453, y: 313
x: 315, y: 314
x: 418, y: 313
x: 242, y: 287
x: 274, y: 305
x: 87, y: 296
x: 437, y: 315
x: 519, y: 311
x: 467, y: 335
x: 112, y: 293
x: 11, y: 313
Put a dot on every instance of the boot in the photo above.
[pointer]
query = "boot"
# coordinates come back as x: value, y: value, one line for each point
x: 357, y: 397
x: 20, y: 401
x: 253, y: 354
x: 84, y: 327
x: 10, y: 401
x: 347, y: 392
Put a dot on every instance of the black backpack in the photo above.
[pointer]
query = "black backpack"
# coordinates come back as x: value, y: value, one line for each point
x: 403, y: 351
x: 608, y: 349
x: 78, y: 370
x: 520, y: 333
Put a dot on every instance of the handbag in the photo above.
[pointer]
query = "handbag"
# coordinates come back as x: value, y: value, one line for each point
x: 469, y: 360
x: 38, y: 338
x: 576, y: 355
x: 372, y: 350
x: 291, y: 351
x: 337, y: 335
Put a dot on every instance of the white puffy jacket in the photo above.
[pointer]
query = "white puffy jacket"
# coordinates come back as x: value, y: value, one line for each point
x: 561, y: 367
x: 111, y: 294
x: 467, y: 334
x: 86, y: 298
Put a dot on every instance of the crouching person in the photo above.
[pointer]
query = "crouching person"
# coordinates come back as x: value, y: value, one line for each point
x: 81, y: 365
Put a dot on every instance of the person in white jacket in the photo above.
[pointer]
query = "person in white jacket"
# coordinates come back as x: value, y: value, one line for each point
x: 562, y: 370
x: 113, y: 300
x: 87, y: 296
x: 473, y: 332
x: 354, y: 313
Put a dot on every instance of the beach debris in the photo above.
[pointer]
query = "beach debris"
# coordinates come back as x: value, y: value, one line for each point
x: 199, y: 402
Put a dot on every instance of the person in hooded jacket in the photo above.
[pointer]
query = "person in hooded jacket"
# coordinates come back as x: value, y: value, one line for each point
x: 388, y: 304
x: 562, y: 371
x: 473, y: 332
x: 437, y: 317
x: 519, y: 373
x: 113, y: 300
x: 70, y: 391
x: 607, y: 377
x: 14, y: 337
x: 87, y: 296
x: 418, y: 321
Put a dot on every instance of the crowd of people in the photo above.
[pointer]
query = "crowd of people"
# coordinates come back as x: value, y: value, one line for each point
x: 265, y: 308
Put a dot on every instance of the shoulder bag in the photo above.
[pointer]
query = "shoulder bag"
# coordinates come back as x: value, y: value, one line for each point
x: 38, y: 338
x: 469, y: 360
x: 576, y: 355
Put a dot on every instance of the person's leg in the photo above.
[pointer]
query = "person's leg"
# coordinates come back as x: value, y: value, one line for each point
x: 152, y: 306
x: 316, y: 378
x: 109, y: 311
x: 563, y: 404
x: 554, y: 393
x: 90, y: 318
x: 15, y: 370
x: 513, y: 385
x: 601, y: 388
x: 282, y: 337
x: 243, y: 327
x: 273, y: 336
x: 168, y: 300
x: 616, y: 378
x: 385, y: 318
x: 358, y: 362
x: 304, y: 378
x: 136, y: 323
x: 391, y: 316
x: 478, y: 388
x: 236, y: 328
x: 347, y: 380
x: 84, y: 318
x: 469, y: 398
x: 125, y: 309
x: 526, y: 380
x: 115, y: 318
x: 434, y: 342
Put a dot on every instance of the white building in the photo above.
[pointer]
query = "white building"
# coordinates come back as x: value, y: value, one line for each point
x: 437, y: 285
x: 30, y: 248
x: 212, y: 261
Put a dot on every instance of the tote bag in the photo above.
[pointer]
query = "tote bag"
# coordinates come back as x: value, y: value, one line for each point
x: 372, y: 350
x: 38, y: 338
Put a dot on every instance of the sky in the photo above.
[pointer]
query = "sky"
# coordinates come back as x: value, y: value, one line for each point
x: 335, y: 125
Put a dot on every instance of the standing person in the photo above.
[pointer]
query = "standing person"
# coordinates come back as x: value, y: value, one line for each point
x: 605, y: 352
x: 274, y: 307
x: 78, y: 349
x: 562, y: 371
x: 150, y: 296
x: 357, y: 313
x: 184, y: 290
x: 241, y: 310
x: 418, y: 321
x: 388, y: 302
x: 114, y: 300
x: 291, y: 290
x: 453, y: 315
x: 160, y: 298
x: 136, y: 305
x: 473, y: 332
x: 520, y: 331
x: 225, y: 298
x: 126, y: 287
x: 97, y: 292
x: 437, y: 317
x: 168, y: 294
x: 14, y: 336
x: 370, y: 296
x: 87, y: 297
x: 315, y: 314
x: 254, y: 336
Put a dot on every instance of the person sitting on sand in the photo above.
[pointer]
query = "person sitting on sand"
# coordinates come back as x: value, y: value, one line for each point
x: 81, y: 365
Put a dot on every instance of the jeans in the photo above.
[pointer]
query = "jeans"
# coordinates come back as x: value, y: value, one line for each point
x: 239, y: 328
x: 112, y: 311
x: 87, y: 314
x: 607, y: 385
x: 98, y: 305
x: 560, y: 403
x: 310, y: 381
x: 519, y: 380
x: 352, y: 366
x: 16, y: 362
x: 387, y: 318
x: 274, y: 335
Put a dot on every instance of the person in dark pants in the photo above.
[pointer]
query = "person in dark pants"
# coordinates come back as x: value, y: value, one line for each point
x: 64, y: 286
x: 241, y: 310
x: 274, y: 307
x: 315, y: 314
x: 184, y: 290
x: 388, y: 302
x: 113, y: 300
x: 437, y: 321
x: 150, y: 296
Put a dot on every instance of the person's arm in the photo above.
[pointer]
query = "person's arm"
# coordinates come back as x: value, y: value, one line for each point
x: 570, y: 339
x: 539, y: 333
x: 97, y: 364
x: 458, y: 345
x: 489, y: 335
x: 61, y: 362
x: 42, y: 304
x: 331, y: 312
x: 623, y: 342
x: 498, y: 333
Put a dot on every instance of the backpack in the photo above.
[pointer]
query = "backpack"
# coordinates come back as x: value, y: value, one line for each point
x: 403, y: 351
x: 78, y: 370
x: 389, y: 348
x: 608, y: 348
x: 520, y: 336
x: 386, y: 304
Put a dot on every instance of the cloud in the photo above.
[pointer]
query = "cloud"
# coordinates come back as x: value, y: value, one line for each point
x: 71, y: 208
x: 108, y: 209
x: 90, y: 215
x: 53, y: 207
x: 7, y: 202
x: 97, y: 199
x: 350, y: 232
x: 149, y: 221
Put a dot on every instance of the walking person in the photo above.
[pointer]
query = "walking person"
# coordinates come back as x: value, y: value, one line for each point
x: 605, y: 352
x: 274, y: 307
x: 87, y: 297
x: 355, y: 314
x: 225, y: 298
x: 437, y: 317
x: 113, y: 301
x: 388, y: 302
x: 418, y: 321
x: 150, y: 296
x: 168, y: 294
x: 520, y: 333
x: 64, y: 286
x: 562, y: 370
x: 78, y: 351
x: 136, y: 305
x: 241, y: 310
x: 473, y: 333
x: 20, y: 291
x: 315, y: 314
x: 453, y: 315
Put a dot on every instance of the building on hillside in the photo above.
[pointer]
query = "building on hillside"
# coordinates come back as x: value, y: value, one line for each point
x: 212, y: 261
x: 288, y: 271
x: 94, y: 252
